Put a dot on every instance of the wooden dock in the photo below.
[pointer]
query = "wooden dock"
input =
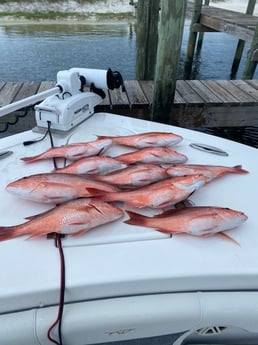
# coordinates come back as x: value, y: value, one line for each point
x: 239, y: 25
x: 197, y: 103
x: 243, y: 26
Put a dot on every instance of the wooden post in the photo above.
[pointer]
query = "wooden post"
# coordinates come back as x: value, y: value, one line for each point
x: 250, y: 65
x: 146, y: 38
x: 201, y: 34
x: 241, y: 44
x: 171, y: 28
x: 192, y: 40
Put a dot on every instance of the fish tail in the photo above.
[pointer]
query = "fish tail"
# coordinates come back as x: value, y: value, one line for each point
x: 136, y: 219
x: 103, y: 137
x: 101, y: 195
x: 95, y: 192
x: 7, y: 233
x: 123, y: 160
x: 30, y: 159
x: 239, y: 170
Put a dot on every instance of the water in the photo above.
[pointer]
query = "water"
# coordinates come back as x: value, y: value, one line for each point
x: 38, y: 52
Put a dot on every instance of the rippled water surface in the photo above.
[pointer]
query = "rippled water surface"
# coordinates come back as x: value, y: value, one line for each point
x: 38, y: 52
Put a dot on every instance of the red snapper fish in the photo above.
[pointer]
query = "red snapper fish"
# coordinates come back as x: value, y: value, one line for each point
x: 210, y: 171
x: 92, y: 165
x: 197, y: 221
x: 73, y: 151
x: 55, y: 188
x: 72, y: 218
x: 134, y: 176
x: 159, y: 194
x: 153, y: 155
x: 149, y: 139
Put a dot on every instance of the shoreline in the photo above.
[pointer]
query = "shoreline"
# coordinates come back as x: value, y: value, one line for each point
x: 72, y: 19
x: 233, y: 5
x: 92, y: 17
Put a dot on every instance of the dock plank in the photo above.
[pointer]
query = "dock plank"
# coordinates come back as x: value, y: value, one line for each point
x: 253, y: 83
x: 2, y: 83
x: 246, y: 87
x: 9, y: 92
x: 237, y: 93
x: 204, y: 92
x: 27, y: 89
x: 118, y: 99
x: 221, y: 92
x: 46, y: 85
x: 178, y: 99
x: 147, y: 88
x: 105, y: 104
x: 135, y: 94
x: 187, y: 93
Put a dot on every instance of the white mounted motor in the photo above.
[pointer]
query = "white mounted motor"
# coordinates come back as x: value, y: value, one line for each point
x: 73, y: 105
x: 72, y: 100
x: 66, y: 113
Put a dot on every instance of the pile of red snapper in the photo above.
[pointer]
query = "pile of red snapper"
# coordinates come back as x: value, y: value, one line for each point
x: 153, y: 175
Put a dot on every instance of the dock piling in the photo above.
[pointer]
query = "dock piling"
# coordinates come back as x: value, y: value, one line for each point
x: 241, y: 43
x: 250, y: 64
x: 192, y: 39
x: 171, y: 28
x: 147, y: 38
x: 201, y: 34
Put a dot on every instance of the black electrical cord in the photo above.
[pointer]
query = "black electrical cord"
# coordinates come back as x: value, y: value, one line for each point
x: 58, y: 239
x: 51, y: 141
x: 30, y: 142
x: 58, y: 320
x: 48, y: 132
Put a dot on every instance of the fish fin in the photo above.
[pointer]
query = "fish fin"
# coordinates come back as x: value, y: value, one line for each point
x: 166, y: 213
x: 37, y: 234
x: 36, y: 215
x: 239, y: 170
x: 141, y: 220
x: 103, y: 136
x: 7, y: 233
x: 34, y: 235
x: 135, y: 218
x: 95, y: 192
x: 100, y: 151
x: 226, y: 237
x: 32, y: 217
x: 28, y: 159
x: 78, y: 233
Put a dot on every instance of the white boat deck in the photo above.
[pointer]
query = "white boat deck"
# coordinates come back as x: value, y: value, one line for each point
x: 118, y: 261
